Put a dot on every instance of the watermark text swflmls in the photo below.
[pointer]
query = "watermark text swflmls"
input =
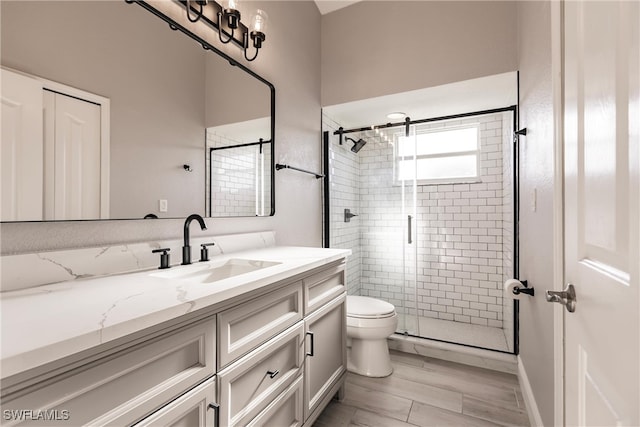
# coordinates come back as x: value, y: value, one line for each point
x: 36, y: 415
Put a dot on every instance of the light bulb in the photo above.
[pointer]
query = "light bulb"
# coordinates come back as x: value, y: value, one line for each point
x: 230, y: 4
x: 259, y: 21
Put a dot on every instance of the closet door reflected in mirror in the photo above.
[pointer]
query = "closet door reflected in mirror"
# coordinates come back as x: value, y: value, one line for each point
x: 164, y: 91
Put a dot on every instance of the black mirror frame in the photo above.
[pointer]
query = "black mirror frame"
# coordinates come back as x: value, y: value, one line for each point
x: 208, y: 46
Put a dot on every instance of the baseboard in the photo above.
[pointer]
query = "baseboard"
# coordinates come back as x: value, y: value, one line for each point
x: 529, y: 400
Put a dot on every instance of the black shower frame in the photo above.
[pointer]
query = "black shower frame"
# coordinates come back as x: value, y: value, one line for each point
x: 248, y: 144
x: 516, y: 199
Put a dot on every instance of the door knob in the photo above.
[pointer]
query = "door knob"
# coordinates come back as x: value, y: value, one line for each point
x: 566, y: 297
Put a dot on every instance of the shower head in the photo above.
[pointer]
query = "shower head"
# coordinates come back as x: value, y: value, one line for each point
x: 357, y: 145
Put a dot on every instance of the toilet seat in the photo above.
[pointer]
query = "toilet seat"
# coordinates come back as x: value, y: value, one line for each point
x: 368, y: 308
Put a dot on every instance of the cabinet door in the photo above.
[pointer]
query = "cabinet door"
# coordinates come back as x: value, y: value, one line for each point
x: 326, y: 351
x: 195, y: 408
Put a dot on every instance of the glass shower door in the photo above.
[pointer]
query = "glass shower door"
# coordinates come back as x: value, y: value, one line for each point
x: 405, y: 177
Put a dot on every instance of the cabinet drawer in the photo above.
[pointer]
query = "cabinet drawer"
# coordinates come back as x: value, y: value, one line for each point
x: 322, y: 287
x: 189, y: 410
x: 285, y: 410
x: 245, y: 327
x: 250, y: 384
x: 126, y: 386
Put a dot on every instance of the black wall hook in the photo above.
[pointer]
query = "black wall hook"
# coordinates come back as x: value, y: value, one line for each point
x: 521, y: 132
x: 187, y: 168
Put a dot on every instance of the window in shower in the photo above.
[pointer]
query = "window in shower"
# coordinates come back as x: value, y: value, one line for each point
x: 441, y: 155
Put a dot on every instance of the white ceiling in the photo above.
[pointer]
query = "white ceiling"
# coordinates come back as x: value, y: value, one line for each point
x: 479, y: 94
x: 326, y: 6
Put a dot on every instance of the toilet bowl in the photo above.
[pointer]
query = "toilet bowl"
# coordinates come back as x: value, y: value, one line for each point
x: 370, y: 322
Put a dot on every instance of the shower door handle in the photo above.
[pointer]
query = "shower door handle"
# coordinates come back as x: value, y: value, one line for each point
x: 409, y: 218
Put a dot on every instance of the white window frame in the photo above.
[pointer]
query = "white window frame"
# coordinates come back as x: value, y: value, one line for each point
x: 452, y: 180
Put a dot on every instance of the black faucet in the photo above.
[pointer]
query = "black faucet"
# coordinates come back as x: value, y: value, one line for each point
x: 186, y: 249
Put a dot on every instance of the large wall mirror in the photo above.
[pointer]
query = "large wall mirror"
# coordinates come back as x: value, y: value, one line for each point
x: 109, y: 114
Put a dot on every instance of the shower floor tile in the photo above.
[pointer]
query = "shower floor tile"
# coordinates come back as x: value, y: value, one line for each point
x: 457, y: 332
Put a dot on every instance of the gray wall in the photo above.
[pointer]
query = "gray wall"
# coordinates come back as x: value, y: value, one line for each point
x: 292, y: 64
x: 378, y: 48
x: 233, y: 96
x: 536, y: 173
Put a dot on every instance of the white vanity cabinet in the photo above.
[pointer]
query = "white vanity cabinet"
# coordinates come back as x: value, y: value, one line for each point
x: 271, y: 357
x: 120, y: 387
x: 289, y: 379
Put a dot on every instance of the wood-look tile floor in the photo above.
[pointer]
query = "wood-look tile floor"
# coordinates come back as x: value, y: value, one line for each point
x: 428, y: 392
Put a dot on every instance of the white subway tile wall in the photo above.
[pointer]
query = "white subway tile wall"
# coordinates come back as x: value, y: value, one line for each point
x: 236, y: 179
x: 344, y: 181
x: 463, y: 231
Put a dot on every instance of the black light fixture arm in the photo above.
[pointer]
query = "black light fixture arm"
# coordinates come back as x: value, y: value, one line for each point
x: 233, y: 19
x: 198, y: 13
x: 210, y: 11
x: 257, y: 37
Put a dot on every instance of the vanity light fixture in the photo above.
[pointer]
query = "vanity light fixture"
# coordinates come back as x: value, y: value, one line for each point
x: 226, y: 18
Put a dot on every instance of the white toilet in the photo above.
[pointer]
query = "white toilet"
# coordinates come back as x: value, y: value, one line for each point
x: 370, y: 322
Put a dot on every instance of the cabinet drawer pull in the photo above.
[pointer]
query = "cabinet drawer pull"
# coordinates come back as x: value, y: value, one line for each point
x: 216, y: 415
x: 272, y: 374
x: 311, y: 352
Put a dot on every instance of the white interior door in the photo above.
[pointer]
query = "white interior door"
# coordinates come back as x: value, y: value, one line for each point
x: 74, y: 146
x: 602, y: 260
x: 22, y: 149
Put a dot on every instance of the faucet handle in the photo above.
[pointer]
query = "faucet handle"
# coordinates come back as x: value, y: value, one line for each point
x: 204, y: 252
x: 164, y: 258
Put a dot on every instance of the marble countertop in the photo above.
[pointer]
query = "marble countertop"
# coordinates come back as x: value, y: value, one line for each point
x: 49, y: 322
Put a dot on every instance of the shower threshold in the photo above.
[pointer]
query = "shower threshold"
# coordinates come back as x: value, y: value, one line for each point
x: 485, y: 337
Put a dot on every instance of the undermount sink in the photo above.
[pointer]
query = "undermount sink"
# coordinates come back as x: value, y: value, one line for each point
x: 214, y: 271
